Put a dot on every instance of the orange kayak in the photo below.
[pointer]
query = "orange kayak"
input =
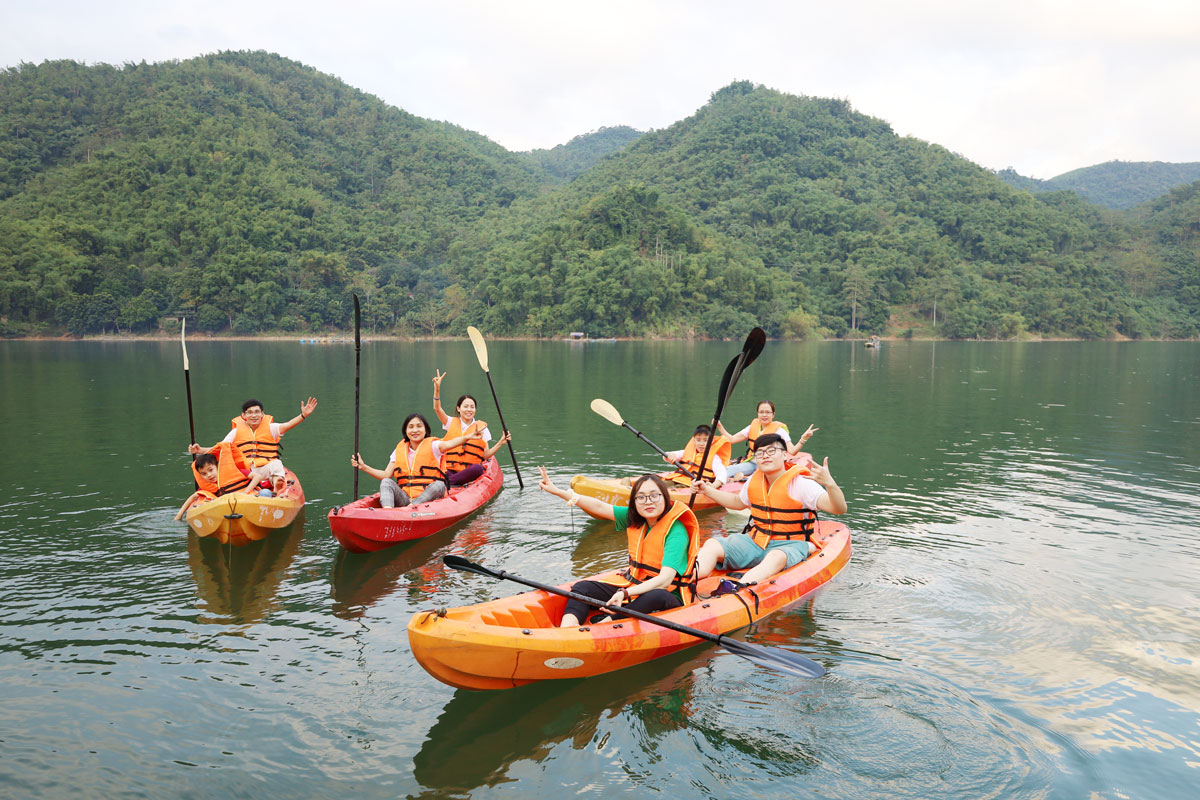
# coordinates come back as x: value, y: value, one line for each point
x: 515, y: 640
x: 241, y: 518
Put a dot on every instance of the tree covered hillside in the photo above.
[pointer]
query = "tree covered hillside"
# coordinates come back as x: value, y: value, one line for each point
x: 1114, y: 184
x: 251, y: 193
x: 845, y: 221
x: 243, y: 188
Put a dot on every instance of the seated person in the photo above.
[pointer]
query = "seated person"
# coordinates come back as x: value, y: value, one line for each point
x: 465, y: 462
x: 689, y: 458
x: 416, y: 472
x: 663, y: 539
x: 221, y: 472
x: 783, y: 507
x: 258, y: 436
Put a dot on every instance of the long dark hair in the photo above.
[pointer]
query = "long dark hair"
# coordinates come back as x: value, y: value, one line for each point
x: 635, y: 518
x: 409, y: 419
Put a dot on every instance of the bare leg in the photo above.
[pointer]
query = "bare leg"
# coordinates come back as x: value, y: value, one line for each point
x: 710, y: 554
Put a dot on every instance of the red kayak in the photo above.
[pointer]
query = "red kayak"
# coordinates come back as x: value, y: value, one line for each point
x: 364, y: 527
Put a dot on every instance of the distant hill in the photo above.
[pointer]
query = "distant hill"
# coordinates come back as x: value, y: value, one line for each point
x: 566, y: 161
x: 1114, y: 184
x: 249, y: 192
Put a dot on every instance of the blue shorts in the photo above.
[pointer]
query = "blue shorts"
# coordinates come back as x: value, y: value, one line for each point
x: 742, y: 553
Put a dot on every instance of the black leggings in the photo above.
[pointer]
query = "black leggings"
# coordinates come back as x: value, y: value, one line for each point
x: 648, y: 603
x: 465, y: 475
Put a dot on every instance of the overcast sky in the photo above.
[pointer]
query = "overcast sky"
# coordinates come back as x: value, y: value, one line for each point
x: 1044, y: 87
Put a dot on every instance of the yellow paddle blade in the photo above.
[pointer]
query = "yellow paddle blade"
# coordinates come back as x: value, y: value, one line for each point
x: 606, y: 410
x: 183, y: 341
x: 480, y: 346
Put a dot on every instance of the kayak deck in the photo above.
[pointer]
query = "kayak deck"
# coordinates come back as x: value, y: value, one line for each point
x: 514, y: 640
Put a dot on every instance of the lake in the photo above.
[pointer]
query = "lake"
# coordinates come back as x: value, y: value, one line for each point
x: 1020, y: 618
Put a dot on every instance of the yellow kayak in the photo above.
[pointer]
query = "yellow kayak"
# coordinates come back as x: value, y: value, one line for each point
x: 615, y: 491
x: 239, y: 518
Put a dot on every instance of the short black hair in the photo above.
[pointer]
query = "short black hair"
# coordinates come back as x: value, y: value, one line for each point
x: 205, y: 459
x: 249, y: 404
x: 705, y: 429
x: 769, y: 439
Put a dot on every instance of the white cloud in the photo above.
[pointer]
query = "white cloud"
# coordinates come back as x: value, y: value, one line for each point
x: 1042, y: 86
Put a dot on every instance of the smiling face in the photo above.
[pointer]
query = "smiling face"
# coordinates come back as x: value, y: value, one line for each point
x: 765, y: 413
x: 415, y: 431
x: 253, y: 415
x: 701, y: 441
x: 466, y: 409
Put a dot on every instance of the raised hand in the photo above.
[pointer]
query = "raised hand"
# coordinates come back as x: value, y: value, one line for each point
x: 308, y: 406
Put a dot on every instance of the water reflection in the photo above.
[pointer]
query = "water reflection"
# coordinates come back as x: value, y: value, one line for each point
x: 239, y: 584
x: 479, y: 736
x: 360, y: 580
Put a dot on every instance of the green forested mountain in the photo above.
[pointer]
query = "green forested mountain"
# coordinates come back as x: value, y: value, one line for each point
x: 1114, y: 184
x: 252, y: 193
x: 580, y: 154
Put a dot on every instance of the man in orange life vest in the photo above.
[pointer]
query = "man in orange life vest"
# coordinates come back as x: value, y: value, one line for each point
x: 258, y: 435
x: 783, y: 507
x: 689, y: 457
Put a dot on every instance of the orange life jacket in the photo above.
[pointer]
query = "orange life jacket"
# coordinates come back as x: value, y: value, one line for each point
x: 230, y: 475
x: 757, y: 429
x: 469, y: 452
x: 424, y: 469
x: 691, y: 460
x: 256, y: 444
x: 646, y: 551
x: 774, y: 515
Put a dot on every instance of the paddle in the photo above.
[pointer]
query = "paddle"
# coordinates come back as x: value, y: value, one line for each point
x: 610, y: 413
x: 357, y: 355
x: 750, y: 350
x: 481, y: 353
x: 782, y: 660
x: 187, y: 381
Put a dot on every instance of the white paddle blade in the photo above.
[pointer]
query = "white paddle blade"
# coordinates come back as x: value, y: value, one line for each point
x: 183, y: 341
x: 480, y: 346
x: 606, y: 410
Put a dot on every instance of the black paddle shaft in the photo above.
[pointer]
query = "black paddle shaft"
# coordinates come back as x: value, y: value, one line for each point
x: 357, y: 357
x: 783, y: 660
x: 504, y: 428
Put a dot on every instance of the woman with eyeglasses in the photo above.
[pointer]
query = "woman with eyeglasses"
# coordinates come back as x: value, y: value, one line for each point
x: 663, y: 541
x: 783, y: 503
x: 763, y: 423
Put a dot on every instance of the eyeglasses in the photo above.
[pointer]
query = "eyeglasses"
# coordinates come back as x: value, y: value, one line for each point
x: 648, y: 498
x: 767, y: 452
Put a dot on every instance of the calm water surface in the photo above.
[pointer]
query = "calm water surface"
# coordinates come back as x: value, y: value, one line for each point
x: 1020, y: 618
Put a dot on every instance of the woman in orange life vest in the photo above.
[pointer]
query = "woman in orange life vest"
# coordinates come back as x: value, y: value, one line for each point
x: 465, y: 462
x: 664, y: 539
x: 415, y: 474
x: 689, y: 457
x: 258, y: 435
x: 222, y: 472
x: 783, y: 504
x: 764, y: 422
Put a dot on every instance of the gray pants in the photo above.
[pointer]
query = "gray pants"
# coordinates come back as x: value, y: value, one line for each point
x: 392, y: 496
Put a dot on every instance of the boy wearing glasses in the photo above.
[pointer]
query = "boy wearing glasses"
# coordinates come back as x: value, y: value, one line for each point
x: 783, y: 505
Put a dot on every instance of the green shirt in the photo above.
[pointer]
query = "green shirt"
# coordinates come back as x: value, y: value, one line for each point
x: 675, y: 548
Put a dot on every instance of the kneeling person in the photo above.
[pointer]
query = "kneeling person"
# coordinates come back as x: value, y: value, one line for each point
x: 663, y: 538
x: 783, y: 507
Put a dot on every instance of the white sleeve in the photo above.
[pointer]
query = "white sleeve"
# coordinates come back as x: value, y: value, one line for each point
x: 744, y: 432
x: 674, y: 455
x: 229, y: 437
x: 485, y: 434
x: 787, y: 438
x: 744, y: 494
x: 277, y: 431
x: 806, y: 491
x: 437, y: 448
x: 719, y: 472
x: 446, y: 424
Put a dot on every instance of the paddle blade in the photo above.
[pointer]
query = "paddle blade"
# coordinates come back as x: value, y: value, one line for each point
x: 774, y: 658
x: 606, y: 410
x: 183, y: 341
x: 480, y: 346
x: 458, y: 562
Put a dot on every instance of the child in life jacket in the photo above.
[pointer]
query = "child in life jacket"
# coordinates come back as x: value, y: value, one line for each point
x: 690, y: 457
x: 213, y: 481
x: 257, y: 435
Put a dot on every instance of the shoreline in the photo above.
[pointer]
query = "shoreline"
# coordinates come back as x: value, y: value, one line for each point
x: 349, y: 339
